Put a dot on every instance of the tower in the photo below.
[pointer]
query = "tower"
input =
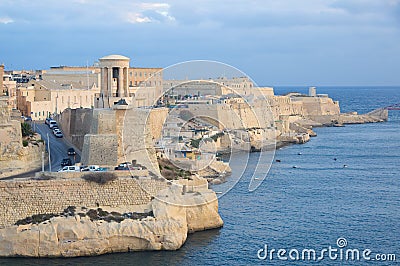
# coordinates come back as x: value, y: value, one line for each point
x: 114, y: 80
x: 312, y: 92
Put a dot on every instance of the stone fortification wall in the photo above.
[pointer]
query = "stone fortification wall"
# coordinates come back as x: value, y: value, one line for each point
x: 76, y: 123
x: 23, y: 198
x: 234, y: 116
x: 119, y: 135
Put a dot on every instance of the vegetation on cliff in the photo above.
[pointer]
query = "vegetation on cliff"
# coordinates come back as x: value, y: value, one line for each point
x: 93, y: 214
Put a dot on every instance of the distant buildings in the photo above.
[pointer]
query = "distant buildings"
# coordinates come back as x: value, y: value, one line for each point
x: 41, y: 98
x: 8, y: 88
x: 220, y: 86
x: 42, y: 93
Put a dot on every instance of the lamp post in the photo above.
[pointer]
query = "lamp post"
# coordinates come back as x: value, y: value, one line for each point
x: 48, y: 149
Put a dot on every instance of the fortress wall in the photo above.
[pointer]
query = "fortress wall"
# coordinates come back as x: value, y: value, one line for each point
x: 100, y: 150
x: 21, y: 199
x: 155, y: 121
x: 237, y: 115
x: 75, y: 124
x: 137, y: 142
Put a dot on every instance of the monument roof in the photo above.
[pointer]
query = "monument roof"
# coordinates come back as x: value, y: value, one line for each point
x: 115, y: 57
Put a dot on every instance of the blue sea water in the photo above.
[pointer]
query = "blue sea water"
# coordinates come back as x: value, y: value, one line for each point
x: 307, y: 207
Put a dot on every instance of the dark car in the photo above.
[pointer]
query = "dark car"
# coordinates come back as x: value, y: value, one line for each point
x: 123, y: 166
x: 71, y: 151
x: 66, y: 162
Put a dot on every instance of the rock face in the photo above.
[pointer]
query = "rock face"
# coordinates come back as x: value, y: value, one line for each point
x: 176, y: 213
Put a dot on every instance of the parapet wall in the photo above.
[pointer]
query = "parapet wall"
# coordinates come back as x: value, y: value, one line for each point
x: 24, y: 198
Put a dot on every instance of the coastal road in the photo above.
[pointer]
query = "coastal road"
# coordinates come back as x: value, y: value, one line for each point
x: 58, y: 146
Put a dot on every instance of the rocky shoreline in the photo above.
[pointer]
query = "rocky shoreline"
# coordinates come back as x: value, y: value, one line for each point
x: 176, y: 211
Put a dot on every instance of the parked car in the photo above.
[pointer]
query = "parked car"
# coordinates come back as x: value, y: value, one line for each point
x: 59, y: 134
x: 55, y: 130
x: 90, y: 168
x: 66, y: 162
x: 47, y: 121
x: 28, y: 118
x: 127, y: 166
x: 71, y: 151
x: 72, y: 168
x: 123, y: 166
x: 101, y: 169
x: 52, y: 124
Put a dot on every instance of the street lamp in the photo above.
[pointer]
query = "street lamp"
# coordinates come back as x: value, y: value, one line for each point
x: 48, y: 149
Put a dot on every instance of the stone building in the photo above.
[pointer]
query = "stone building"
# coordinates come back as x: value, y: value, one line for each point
x: 242, y: 86
x: 41, y: 98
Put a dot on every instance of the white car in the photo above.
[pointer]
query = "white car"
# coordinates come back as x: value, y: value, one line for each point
x: 90, y: 168
x: 56, y: 130
x: 52, y: 123
x: 72, y: 168
x: 59, y: 134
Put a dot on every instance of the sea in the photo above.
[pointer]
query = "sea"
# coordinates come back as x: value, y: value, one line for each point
x: 344, y: 195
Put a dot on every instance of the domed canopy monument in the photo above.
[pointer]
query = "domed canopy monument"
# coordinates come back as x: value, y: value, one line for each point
x: 114, y: 80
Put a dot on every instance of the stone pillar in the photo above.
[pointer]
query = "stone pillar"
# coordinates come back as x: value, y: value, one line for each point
x: 120, y: 89
x: 109, y: 81
x: 104, y: 81
x: 126, y: 82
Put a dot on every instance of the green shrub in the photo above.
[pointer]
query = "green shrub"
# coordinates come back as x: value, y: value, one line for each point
x: 24, y: 143
x: 100, y: 177
x: 26, y: 129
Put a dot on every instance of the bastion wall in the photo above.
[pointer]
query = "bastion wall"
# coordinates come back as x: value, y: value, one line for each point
x: 24, y: 198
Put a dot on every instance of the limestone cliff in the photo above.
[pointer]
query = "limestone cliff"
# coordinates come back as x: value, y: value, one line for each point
x: 176, y: 212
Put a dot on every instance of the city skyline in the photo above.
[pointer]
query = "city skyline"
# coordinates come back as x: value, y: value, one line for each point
x: 274, y: 42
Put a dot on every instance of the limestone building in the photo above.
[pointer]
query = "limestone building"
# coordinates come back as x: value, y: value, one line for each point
x: 41, y: 98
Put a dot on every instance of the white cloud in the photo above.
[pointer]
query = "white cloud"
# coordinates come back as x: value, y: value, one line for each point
x: 137, y: 18
x: 6, y: 20
x: 150, y: 12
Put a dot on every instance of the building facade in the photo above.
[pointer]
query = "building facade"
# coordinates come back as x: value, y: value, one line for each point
x: 41, y: 98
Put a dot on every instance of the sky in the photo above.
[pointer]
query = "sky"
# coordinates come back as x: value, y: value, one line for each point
x: 275, y: 42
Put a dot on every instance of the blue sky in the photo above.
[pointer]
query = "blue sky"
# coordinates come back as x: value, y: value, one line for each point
x: 276, y: 42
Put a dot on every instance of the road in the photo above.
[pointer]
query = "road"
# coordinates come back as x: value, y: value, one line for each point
x: 58, y: 146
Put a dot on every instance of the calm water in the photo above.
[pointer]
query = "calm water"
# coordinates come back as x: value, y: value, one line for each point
x: 308, y: 207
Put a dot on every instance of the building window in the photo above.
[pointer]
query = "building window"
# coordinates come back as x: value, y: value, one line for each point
x: 140, y: 74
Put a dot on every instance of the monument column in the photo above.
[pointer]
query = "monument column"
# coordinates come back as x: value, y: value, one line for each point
x: 103, y: 81
x: 120, y: 88
x: 126, y: 82
x: 110, y: 81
